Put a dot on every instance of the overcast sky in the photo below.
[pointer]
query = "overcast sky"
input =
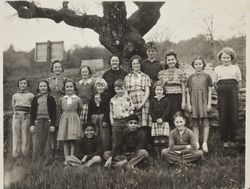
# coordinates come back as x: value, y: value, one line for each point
x: 180, y: 19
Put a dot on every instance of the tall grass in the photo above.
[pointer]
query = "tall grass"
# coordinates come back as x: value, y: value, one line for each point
x: 220, y: 169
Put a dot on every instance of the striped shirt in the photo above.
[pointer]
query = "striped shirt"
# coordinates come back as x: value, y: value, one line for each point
x: 21, y: 101
x: 172, y: 79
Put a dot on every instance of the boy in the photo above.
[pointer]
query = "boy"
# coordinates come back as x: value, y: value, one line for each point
x: 89, y: 148
x: 182, y: 143
x: 130, y: 147
x: 151, y: 66
x: 21, y: 103
x: 120, y: 108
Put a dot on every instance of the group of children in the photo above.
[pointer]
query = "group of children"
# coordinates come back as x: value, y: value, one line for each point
x: 142, y: 111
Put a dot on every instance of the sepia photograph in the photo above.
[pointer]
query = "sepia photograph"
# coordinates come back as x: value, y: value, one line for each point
x: 124, y: 94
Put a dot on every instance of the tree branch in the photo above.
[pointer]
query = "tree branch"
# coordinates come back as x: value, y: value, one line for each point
x: 146, y: 16
x: 29, y: 10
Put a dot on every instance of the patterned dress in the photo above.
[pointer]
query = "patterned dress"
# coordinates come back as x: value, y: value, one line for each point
x: 198, y: 84
x: 135, y: 84
x: 56, y: 85
x: 69, y: 126
x: 85, y: 92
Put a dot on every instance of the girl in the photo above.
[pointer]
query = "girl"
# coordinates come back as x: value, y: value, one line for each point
x: 227, y: 83
x: 69, y: 125
x: 42, y: 120
x: 56, y: 85
x: 174, y: 84
x: 85, y: 89
x: 21, y: 103
x: 159, y: 108
x: 182, y: 143
x: 99, y: 112
x: 114, y: 73
x: 138, y: 86
x: 199, y: 96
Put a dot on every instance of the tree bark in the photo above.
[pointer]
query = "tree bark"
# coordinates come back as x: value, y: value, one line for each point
x: 117, y: 33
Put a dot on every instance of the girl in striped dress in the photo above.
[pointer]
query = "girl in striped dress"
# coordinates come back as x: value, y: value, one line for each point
x: 174, y: 80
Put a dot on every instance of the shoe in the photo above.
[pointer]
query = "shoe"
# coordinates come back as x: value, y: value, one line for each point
x: 225, y: 145
x: 204, y: 147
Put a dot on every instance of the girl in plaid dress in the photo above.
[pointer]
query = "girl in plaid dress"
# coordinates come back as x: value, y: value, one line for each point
x: 85, y: 89
x: 138, y: 86
x: 159, y: 109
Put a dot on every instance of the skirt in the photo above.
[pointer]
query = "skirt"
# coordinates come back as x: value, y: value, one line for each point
x: 69, y: 127
x: 143, y: 114
x: 160, y: 129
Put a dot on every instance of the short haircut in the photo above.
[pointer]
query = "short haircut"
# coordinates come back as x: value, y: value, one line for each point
x: 115, y: 55
x: 151, y: 45
x: 68, y: 81
x: 21, y: 79
x: 179, y: 114
x: 172, y: 53
x: 101, y: 81
x: 85, y: 66
x: 88, y: 124
x: 136, y: 57
x: 54, y: 62
x: 119, y: 83
x: 159, y: 83
x: 199, y: 58
x: 228, y: 51
x: 133, y: 117
x: 45, y: 81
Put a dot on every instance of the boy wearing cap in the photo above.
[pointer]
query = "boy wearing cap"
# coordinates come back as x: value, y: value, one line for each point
x: 130, y: 147
x: 89, y: 148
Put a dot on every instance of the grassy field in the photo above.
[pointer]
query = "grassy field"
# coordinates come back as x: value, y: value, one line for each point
x: 220, y: 169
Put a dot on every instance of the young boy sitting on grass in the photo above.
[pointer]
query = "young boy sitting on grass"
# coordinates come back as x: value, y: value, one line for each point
x: 130, y: 148
x: 89, y: 148
x: 183, y: 148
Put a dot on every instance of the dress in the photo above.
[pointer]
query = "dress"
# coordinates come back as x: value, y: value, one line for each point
x: 159, y: 108
x: 198, y: 84
x: 69, y: 126
x: 85, y: 92
x: 56, y: 85
x: 136, y: 85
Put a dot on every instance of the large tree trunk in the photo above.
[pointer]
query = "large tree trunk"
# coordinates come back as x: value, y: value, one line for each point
x: 117, y: 33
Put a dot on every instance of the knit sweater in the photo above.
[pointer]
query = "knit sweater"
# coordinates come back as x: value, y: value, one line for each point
x: 51, y: 106
x: 111, y: 76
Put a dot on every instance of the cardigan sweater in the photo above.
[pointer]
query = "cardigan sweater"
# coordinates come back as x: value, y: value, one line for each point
x: 51, y: 105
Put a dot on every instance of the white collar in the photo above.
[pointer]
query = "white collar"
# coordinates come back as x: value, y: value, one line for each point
x: 159, y: 98
x: 72, y: 96
x: 69, y: 98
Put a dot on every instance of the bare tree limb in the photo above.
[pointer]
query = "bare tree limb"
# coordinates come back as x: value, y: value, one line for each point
x: 29, y: 10
x: 146, y: 16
